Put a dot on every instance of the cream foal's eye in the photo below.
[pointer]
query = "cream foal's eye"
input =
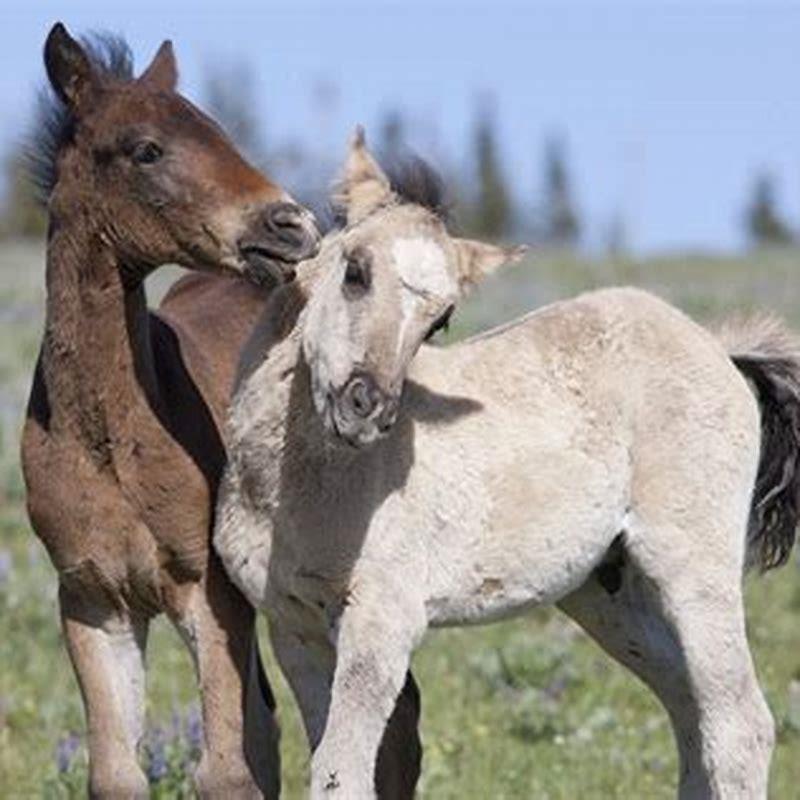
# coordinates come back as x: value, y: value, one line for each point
x: 441, y: 324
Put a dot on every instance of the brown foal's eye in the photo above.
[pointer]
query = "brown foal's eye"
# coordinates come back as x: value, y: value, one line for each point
x: 147, y: 152
x: 357, y: 275
x: 441, y: 324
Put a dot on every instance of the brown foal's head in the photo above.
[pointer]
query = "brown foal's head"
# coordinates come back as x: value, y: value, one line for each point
x: 159, y: 180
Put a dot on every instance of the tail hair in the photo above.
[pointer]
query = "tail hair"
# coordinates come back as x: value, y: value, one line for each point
x: 767, y: 353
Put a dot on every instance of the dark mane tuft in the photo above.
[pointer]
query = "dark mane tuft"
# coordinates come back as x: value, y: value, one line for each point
x: 415, y: 181
x: 53, y: 125
x: 412, y: 180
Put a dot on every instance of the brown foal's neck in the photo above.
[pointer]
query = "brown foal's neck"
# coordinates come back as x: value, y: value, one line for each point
x: 96, y: 356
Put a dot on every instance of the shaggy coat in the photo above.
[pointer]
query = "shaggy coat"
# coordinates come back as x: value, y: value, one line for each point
x: 601, y: 454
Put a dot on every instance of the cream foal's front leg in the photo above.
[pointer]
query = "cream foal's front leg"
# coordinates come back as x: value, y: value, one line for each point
x: 373, y: 651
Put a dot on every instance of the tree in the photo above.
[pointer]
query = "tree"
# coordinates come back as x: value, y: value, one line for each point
x: 230, y: 98
x: 616, y: 236
x: 492, y: 214
x: 392, y: 136
x: 765, y: 225
x: 561, y: 223
x: 22, y: 213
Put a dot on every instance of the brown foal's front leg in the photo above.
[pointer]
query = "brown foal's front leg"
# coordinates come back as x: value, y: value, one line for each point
x: 107, y: 652
x: 240, y: 755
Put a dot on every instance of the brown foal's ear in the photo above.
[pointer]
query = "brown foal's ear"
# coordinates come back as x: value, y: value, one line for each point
x: 476, y: 260
x: 68, y: 67
x: 163, y: 70
x: 363, y: 185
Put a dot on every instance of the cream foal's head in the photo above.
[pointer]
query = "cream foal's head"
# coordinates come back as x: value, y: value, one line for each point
x: 389, y: 280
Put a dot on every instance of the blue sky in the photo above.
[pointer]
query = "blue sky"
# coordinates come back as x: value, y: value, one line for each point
x: 668, y: 108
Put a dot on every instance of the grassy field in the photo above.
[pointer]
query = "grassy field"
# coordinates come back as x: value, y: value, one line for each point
x: 526, y: 709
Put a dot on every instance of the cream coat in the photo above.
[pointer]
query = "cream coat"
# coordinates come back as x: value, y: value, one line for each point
x: 599, y: 454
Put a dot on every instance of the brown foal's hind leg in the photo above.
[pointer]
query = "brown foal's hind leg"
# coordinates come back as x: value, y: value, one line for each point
x: 107, y: 652
x: 240, y: 754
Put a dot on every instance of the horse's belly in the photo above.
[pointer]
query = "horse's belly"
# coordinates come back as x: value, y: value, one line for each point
x: 542, y: 570
x: 524, y: 537
x: 491, y: 600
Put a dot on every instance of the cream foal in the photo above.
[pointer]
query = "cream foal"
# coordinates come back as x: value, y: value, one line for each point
x: 600, y: 454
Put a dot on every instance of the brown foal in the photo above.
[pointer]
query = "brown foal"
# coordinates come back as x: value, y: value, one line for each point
x: 121, y: 451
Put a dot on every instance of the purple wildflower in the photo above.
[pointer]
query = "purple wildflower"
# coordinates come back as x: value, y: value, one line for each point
x: 66, y: 749
x: 6, y: 566
x: 194, y: 730
x: 157, y: 766
x: 175, y: 725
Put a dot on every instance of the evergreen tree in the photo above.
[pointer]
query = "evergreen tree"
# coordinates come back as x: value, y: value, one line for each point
x: 22, y: 214
x: 617, y: 236
x: 230, y: 98
x: 765, y: 225
x: 492, y: 214
x: 392, y: 135
x: 561, y: 223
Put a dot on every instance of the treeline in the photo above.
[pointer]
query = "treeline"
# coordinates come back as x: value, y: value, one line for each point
x: 482, y: 195
x: 21, y: 213
x: 485, y: 201
x: 480, y: 192
x: 764, y: 223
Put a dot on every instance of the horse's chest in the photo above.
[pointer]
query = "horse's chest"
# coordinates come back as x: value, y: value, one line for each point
x: 101, y: 525
x: 172, y: 498
x: 315, y: 550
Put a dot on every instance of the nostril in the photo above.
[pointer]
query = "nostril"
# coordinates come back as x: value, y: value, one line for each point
x: 294, y: 228
x: 361, y: 398
x: 283, y: 220
x: 388, y: 415
x: 285, y: 216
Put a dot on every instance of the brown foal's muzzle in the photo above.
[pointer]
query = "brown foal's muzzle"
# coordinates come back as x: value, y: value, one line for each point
x: 280, y: 236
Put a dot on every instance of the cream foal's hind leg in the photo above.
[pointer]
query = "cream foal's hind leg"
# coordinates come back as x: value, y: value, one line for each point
x: 680, y: 627
x: 107, y: 652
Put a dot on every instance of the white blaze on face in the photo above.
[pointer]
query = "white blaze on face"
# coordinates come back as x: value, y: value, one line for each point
x: 420, y: 264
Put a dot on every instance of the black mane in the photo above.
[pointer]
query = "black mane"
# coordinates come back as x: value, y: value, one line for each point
x: 415, y: 181
x: 412, y: 180
x: 53, y: 125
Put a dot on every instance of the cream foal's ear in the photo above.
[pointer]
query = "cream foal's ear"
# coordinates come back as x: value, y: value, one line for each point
x: 163, y: 70
x: 363, y: 185
x: 476, y: 260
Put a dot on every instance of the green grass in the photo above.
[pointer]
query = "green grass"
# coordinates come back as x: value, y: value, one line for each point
x: 529, y: 708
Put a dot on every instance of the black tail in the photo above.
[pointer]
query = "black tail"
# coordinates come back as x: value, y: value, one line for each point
x: 768, y: 355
